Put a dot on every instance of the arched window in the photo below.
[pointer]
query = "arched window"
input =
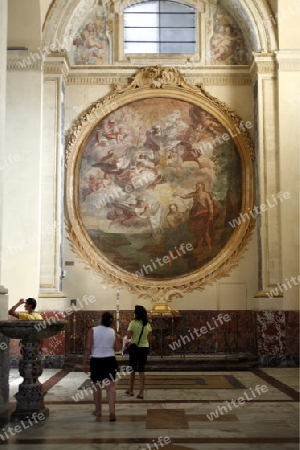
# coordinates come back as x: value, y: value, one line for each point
x: 159, y: 27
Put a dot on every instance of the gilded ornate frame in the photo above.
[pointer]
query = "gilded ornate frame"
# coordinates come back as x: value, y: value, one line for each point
x: 151, y: 82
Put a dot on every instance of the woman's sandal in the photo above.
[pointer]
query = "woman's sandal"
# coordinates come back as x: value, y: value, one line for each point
x: 141, y: 397
x: 131, y: 394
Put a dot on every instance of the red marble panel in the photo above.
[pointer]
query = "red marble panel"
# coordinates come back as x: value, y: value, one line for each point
x: 271, y: 332
x: 56, y: 344
x: 257, y: 332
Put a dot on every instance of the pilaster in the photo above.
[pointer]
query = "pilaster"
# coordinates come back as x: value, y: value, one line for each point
x: 289, y: 150
x: 267, y: 174
x: 52, y: 169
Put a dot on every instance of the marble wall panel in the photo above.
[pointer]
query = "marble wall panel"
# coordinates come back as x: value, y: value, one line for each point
x: 268, y: 334
x: 194, y: 331
x: 271, y: 332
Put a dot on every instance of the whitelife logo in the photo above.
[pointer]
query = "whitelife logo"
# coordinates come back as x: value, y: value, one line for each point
x: 203, y: 330
x: 114, y: 194
x: 183, y: 248
x: 9, y: 160
x: 161, y: 442
x: 259, y: 209
x: 286, y: 285
x: 12, y: 431
x: 41, y: 325
x: 125, y: 370
x: 209, y: 145
x: 236, y: 403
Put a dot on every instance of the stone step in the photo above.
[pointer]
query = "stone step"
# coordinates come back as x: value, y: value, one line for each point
x: 187, y: 363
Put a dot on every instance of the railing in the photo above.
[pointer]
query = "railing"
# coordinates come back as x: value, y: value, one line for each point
x: 176, y: 335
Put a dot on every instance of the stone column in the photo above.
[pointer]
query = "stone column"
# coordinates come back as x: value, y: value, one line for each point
x: 4, y: 365
x: 267, y: 179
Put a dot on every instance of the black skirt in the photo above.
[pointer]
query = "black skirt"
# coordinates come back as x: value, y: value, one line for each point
x: 103, y: 368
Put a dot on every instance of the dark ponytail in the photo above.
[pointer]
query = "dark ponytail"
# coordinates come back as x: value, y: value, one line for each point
x: 141, y: 314
x: 107, y: 319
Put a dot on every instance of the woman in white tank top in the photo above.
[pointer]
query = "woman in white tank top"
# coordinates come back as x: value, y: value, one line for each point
x: 101, y: 344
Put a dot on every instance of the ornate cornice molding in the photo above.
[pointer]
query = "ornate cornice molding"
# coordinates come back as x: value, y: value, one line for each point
x: 288, y: 60
x: 24, y: 60
x: 220, y: 79
x: 57, y: 65
x: 111, y: 78
x: 264, y: 64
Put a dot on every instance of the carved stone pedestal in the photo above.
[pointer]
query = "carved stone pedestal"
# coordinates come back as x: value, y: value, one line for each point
x: 30, y: 397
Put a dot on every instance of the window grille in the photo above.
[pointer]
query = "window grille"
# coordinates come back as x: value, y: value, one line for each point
x: 159, y: 27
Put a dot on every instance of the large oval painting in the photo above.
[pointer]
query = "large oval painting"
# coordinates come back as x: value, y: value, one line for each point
x: 160, y: 187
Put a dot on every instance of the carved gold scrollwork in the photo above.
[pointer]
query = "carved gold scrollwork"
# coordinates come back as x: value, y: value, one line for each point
x: 152, y: 82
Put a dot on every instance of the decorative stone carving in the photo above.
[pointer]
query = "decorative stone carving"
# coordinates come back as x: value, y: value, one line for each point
x: 57, y: 65
x: 209, y: 78
x: 264, y: 63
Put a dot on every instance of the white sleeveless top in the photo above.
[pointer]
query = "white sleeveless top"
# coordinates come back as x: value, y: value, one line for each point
x: 103, y: 342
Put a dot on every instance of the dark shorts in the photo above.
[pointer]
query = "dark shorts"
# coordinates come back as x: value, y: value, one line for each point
x: 138, y: 360
x: 102, y: 368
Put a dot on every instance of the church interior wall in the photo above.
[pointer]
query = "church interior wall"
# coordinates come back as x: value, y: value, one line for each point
x: 21, y: 271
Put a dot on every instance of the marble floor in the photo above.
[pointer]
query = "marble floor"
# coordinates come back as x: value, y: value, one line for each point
x: 255, y: 409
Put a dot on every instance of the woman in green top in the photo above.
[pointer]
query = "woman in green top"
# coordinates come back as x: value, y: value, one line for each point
x: 139, y: 331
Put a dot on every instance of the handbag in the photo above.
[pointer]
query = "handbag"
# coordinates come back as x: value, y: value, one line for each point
x: 133, y: 348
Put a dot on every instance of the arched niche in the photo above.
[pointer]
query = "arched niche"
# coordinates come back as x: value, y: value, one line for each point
x: 253, y: 17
